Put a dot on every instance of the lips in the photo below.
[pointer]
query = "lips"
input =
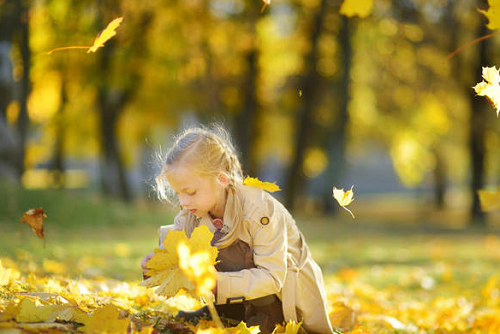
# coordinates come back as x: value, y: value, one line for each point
x: 192, y: 210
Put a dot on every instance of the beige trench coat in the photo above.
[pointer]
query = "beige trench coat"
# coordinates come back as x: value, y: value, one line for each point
x: 284, y: 265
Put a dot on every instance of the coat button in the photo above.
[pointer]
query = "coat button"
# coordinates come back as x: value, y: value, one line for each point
x: 264, y: 220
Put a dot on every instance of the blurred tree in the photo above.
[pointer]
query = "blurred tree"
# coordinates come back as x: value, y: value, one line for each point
x: 304, y: 123
x: 478, y: 124
x: 14, y: 30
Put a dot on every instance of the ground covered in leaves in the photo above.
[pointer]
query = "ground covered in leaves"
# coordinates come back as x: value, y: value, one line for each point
x: 380, y: 278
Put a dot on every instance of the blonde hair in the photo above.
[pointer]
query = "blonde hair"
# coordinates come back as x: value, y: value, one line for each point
x: 208, y: 151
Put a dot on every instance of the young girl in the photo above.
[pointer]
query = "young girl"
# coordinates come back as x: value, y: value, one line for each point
x: 265, y: 273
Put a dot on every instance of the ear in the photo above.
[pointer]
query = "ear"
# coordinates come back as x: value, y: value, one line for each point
x: 223, y: 180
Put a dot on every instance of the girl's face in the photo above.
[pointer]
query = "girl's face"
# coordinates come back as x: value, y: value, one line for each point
x: 200, y: 194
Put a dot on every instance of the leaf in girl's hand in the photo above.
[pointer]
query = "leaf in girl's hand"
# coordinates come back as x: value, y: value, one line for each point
x: 267, y: 186
x: 106, y: 34
x: 344, y: 198
x: 490, y: 200
x: 34, y: 218
x: 493, y: 14
x: 165, y: 266
x: 490, y: 86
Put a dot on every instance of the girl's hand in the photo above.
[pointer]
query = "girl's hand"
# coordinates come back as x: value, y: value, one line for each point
x: 144, y: 266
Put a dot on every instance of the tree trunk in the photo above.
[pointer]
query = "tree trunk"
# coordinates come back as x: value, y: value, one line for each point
x: 9, y: 22
x: 477, y: 126
x: 111, y: 102
x: 23, y: 120
x: 247, y: 121
x: 336, y: 144
x: 439, y: 180
x: 58, y: 162
x: 309, y: 87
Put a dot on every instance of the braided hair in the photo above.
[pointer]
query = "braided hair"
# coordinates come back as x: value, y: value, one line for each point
x: 208, y: 151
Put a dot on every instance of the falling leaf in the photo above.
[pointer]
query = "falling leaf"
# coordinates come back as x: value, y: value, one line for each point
x: 490, y: 200
x: 99, y: 41
x: 493, y: 14
x: 34, y: 218
x: 490, y: 87
x: 164, y: 266
x: 361, y: 8
x: 267, y: 186
x: 344, y: 198
x: 106, y: 34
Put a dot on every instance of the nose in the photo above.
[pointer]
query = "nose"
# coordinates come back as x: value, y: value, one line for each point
x: 183, y: 201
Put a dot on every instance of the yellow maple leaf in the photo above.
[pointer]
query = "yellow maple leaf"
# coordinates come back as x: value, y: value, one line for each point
x: 361, y: 8
x: 490, y: 200
x: 267, y: 186
x: 164, y: 267
x: 198, y: 268
x: 7, y: 275
x: 490, y: 87
x: 107, y: 319
x: 28, y: 311
x: 493, y: 14
x: 344, y: 198
x: 105, y: 35
x: 290, y: 328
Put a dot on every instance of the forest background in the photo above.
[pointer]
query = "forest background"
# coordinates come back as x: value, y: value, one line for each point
x: 313, y: 98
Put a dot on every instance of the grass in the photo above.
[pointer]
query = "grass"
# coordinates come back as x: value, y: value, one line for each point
x: 386, y: 262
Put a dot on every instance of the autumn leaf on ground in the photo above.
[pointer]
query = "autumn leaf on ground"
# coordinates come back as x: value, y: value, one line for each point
x: 7, y: 275
x: 344, y: 198
x: 490, y: 87
x: 342, y: 316
x: 490, y: 200
x: 362, y: 8
x: 100, y: 40
x: 164, y: 266
x: 290, y: 328
x: 267, y: 186
x: 108, y: 319
x: 34, y: 218
x: 493, y: 14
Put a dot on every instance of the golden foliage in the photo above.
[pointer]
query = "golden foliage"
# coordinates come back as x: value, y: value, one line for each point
x: 361, y: 8
x: 490, y: 200
x: 255, y: 182
x: 164, y: 267
x: 490, y: 87
x: 344, y: 198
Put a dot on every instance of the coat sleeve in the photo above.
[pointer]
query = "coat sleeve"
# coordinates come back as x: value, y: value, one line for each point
x: 269, y: 240
x: 178, y: 225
